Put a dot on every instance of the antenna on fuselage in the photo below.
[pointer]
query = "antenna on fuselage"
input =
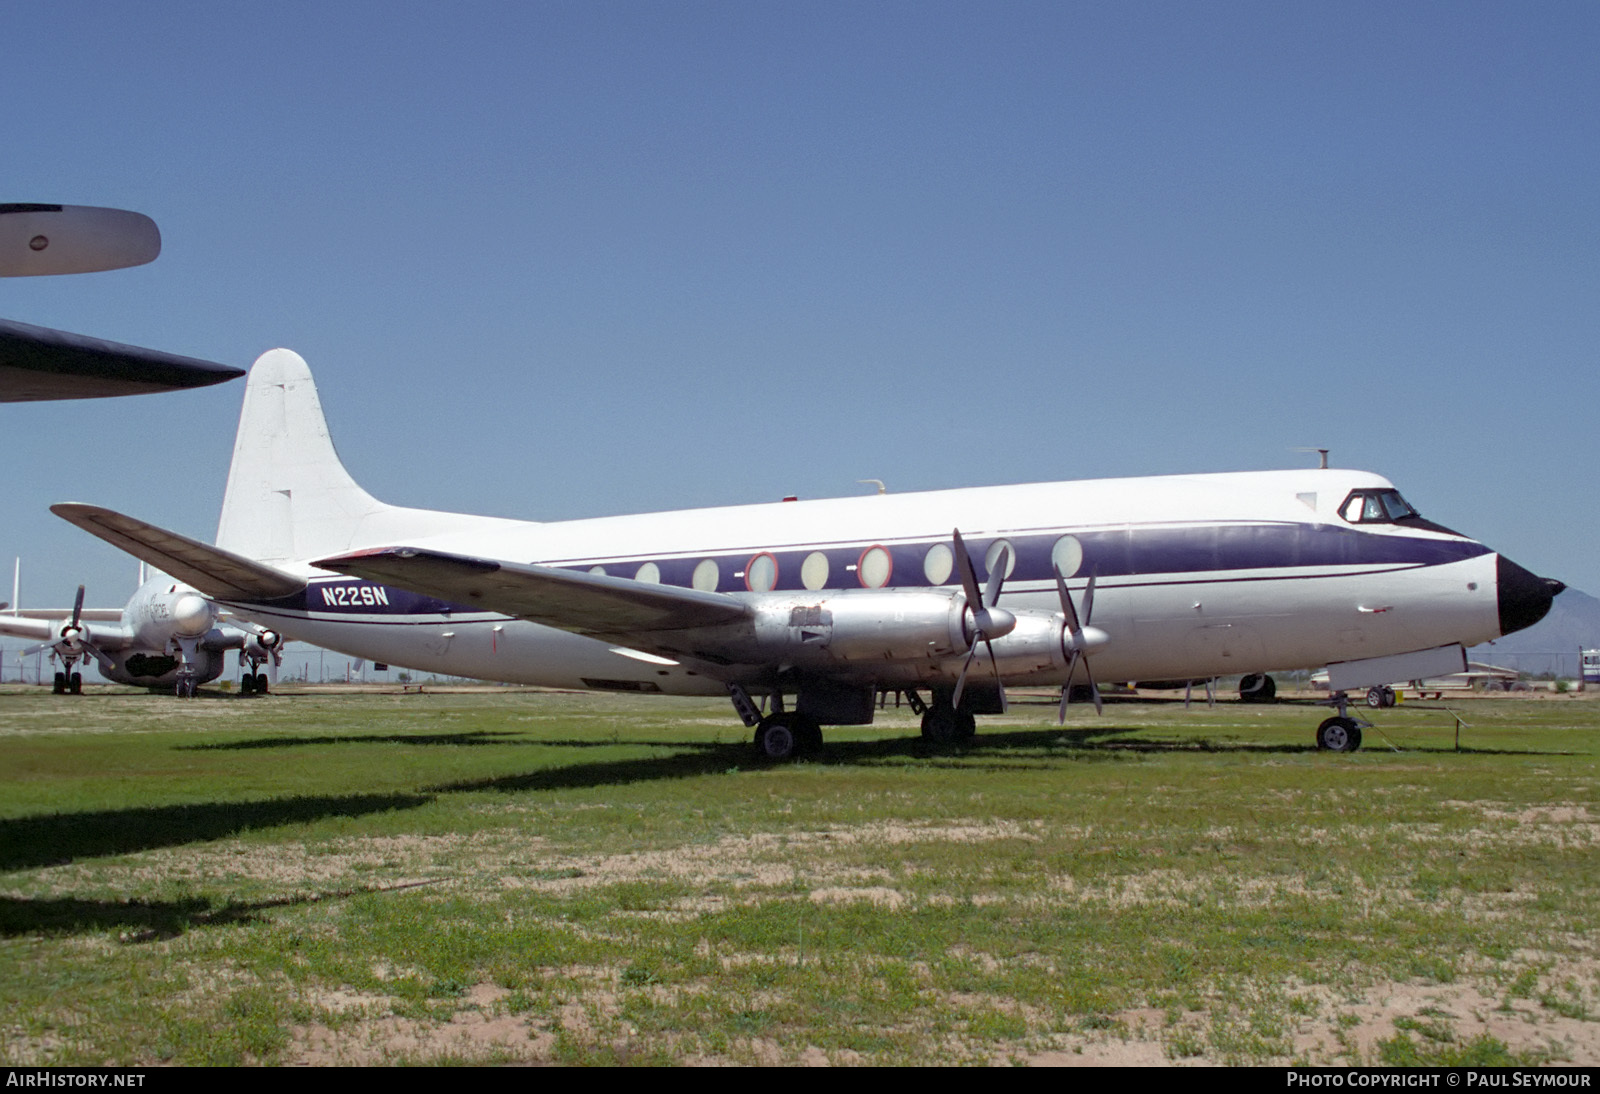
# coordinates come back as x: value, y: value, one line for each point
x: 1323, y: 452
x: 882, y: 489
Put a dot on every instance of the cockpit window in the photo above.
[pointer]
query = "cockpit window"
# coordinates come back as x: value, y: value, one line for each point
x: 1376, y: 507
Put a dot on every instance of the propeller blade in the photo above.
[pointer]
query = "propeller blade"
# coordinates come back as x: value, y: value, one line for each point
x: 1066, y: 689
x: 998, y: 683
x: 969, y: 575
x: 77, y: 607
x: 1067, y: 609
x: 991, y: 592
x: 961, y: 681
x: 1088, y: 602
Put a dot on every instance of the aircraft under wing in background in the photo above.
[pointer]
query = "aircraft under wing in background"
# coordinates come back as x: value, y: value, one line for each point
x: 40, y: 363
x: 833, y: 602
x: 167, y: 636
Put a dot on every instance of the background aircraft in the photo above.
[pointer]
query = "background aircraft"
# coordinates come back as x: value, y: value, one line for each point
x: 167, y: 636
x: 41, y: 363
x: 835, y: 601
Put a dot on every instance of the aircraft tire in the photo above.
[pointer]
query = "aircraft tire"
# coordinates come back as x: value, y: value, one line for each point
x: 75, y: 684
x: 778, y: 738
x: 60, y: 686
x: 261, y: 683
x: 1338, y: 735
x: 247, y: 684
x: 1375, y: 698
x: 942, y: 724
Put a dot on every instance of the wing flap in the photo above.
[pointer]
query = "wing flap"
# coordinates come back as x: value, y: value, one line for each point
x: 215, y: 572
x: 584, y: 603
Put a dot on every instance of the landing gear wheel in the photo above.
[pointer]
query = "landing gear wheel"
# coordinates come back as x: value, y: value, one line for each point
x: 942, y: 724
x: 1339, y: 735
x: 1258, y: 687
x: 247, y: 684
x: 1375, y: 698
x: 75, y: 684
x: 60, y: 686
x: 782, y: 737
x: 261, y: 683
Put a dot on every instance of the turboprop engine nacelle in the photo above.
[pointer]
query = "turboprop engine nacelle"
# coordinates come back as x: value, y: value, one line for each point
x: 1042, y: 642
x: 73, y: 637
x: 261, y: 644
x: 871, y: 625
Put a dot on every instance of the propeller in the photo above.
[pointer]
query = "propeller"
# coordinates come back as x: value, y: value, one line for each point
x: 988, y: 621
x: 1079, y: 638
x: 72, y: 641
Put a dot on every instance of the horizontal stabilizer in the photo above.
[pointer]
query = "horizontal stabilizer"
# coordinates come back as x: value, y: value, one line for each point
x: 584, y: 603
x: 215, y: 572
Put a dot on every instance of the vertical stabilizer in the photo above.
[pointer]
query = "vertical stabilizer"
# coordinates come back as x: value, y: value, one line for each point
x: 289, y: 496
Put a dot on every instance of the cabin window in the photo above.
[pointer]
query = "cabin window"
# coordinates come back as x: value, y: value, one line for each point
x: 649, y: 573
x: 814, y: 570
x: 761, y: 575
x: 938, y: 564
x: 993, y: 557
x: 707, y: 575
x: 1067, y: 555
x: 875, y: 567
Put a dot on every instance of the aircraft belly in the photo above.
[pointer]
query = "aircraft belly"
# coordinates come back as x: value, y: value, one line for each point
x: 491, y: 648
x: 148, y: 668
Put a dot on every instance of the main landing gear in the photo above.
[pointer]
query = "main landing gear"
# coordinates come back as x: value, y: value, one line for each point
x: 783, y: 735
x: 943, y: 724
x: 253, y: 683
x: 68, y: 683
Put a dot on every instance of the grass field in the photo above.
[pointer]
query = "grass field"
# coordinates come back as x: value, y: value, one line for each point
x: 506, y: 875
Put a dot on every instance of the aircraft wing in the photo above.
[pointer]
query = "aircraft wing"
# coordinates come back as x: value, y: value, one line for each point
x: 106, y: 637
x: 590, y: 604
x: 40, y: 363
x: 215, y: 572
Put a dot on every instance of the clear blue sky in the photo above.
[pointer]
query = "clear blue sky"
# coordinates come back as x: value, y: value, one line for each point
x: 559, y: 260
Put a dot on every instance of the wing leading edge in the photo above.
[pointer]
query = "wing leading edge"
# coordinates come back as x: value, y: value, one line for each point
x: 220, y: 574
x: 590, y: 604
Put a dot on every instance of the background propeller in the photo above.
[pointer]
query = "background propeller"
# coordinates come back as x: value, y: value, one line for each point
x: 988, y: 621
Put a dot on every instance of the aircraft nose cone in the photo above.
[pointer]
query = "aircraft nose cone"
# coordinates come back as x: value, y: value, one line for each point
x: 1524, y: 597
x: 192, y: 615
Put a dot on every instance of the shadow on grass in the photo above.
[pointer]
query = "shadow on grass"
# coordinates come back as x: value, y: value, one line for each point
x: 148, y: 920
x: 473, y: 737
x: 60, y: 838
x: 56, y: 839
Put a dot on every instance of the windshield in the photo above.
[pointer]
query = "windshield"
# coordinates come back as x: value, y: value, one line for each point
x: 1376, y: 507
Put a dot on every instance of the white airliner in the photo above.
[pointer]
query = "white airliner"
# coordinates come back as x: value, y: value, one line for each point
x: 167, y: 636
x: 834, y: 602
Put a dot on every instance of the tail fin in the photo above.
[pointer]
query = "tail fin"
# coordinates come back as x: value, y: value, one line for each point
x: 289, y: 497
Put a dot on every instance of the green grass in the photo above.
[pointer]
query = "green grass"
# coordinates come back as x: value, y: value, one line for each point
x: 507, y: 875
